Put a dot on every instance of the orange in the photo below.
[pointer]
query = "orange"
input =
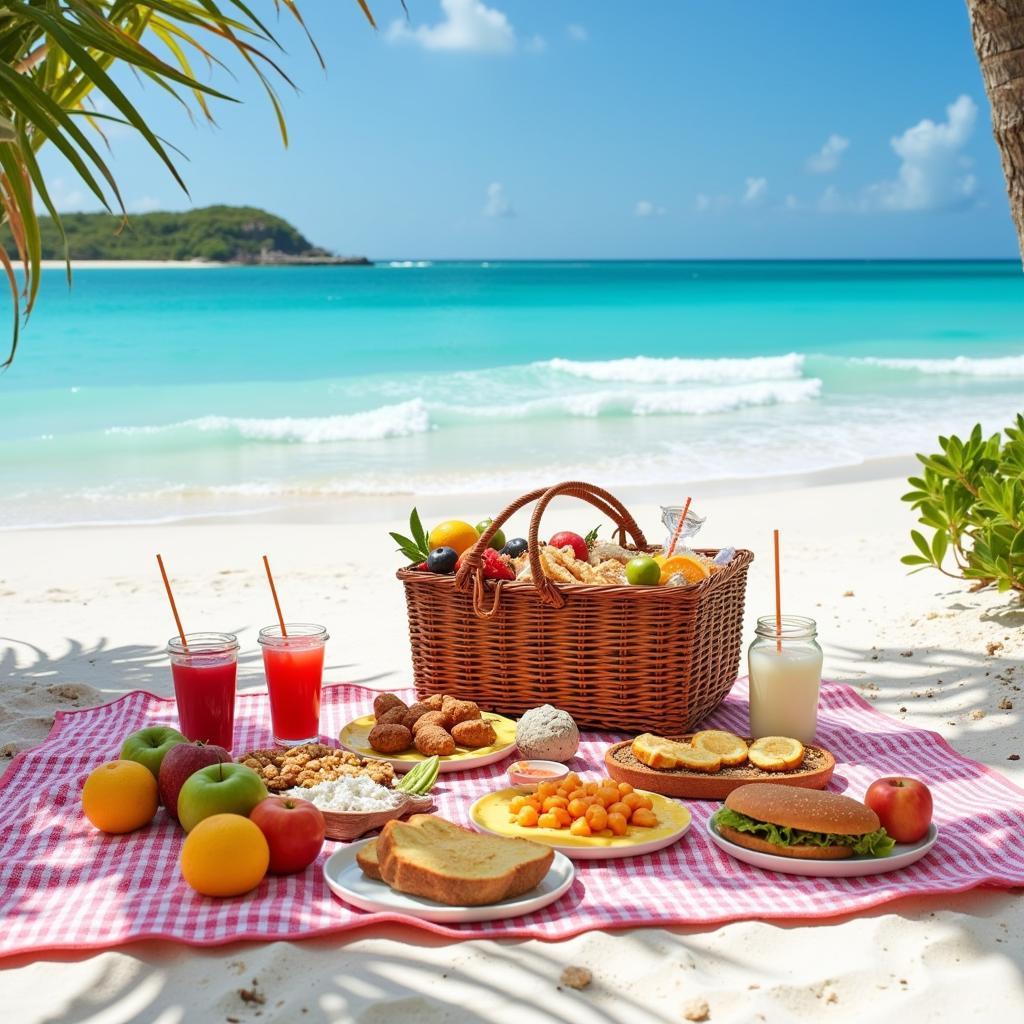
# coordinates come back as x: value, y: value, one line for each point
x: 692, y: 568
x: 454, y: 534
x: 225, y: 855
x: 120, y: 796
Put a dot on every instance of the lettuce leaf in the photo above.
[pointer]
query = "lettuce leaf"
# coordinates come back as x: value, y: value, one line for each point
x: 873, y: 844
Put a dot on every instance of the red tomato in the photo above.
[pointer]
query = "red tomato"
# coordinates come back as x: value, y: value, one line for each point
x: 294, y: 830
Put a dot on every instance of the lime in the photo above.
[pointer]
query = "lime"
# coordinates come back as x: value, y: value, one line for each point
x: 643, y: 571
x: 498, y: 540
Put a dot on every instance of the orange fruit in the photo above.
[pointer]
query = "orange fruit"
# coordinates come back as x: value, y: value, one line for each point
x: 120, y: 796
x: 225, y: 855
x: 454, y: 534
x: 692, y: 568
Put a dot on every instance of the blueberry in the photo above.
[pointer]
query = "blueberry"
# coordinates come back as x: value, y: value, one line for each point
x: 442, y: 560
x: 515, y: 547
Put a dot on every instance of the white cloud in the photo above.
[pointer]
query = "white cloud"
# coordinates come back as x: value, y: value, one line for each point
x: 934, y: 173
x: 70, y: 198
x: 536, y: 44
x: 705, y: 203
x: 144, y: 204
x: 577, y: 33
x: 827, y: 158
x: 755, y: 191
x: 791, y: 202
x: 645, y: 208
x: 469, y: 25
x: 498, y: 204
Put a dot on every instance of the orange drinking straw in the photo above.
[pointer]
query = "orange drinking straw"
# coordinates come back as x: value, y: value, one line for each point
x: 678, y: 529
x: 273, y: 591
x: 778, y: 598
x: 170, y: 597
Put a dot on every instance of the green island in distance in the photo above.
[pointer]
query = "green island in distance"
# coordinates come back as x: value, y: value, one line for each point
x: 221, y: 234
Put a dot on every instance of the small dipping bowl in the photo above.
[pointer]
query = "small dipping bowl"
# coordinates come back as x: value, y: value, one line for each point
x: 527, y: 775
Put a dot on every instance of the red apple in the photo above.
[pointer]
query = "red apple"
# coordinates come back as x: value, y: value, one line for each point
x: 573, y: 540
x: 294, y: 830
x: 904, y: 807
x: 179, y: 763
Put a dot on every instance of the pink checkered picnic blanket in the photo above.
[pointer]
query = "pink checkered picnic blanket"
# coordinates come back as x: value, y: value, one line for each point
x: 64, y: 885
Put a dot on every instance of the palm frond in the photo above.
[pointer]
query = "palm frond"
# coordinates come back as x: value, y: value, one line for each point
x: 53, y: 56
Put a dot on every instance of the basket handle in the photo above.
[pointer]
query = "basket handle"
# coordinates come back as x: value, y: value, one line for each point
x: 601, y: 499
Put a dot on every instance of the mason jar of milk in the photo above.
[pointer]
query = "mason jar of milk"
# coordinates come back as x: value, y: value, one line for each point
x: 785, y: 676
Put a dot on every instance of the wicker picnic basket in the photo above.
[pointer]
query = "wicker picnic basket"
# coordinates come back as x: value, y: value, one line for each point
x: 615, y: 657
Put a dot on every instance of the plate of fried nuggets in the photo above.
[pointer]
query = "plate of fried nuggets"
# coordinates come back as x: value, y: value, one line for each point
x: 456, y: 730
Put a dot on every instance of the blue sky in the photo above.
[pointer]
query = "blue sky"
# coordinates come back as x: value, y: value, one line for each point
x: 607, y: 129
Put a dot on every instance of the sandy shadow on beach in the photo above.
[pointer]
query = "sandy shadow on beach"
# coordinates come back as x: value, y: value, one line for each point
x: 975, y: 701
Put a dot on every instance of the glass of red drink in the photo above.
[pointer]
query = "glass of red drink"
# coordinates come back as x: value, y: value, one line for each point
x: 204, y: 669
x: 294, y: 665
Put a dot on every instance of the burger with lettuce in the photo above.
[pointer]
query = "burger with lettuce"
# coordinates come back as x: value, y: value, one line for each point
x: 806, y: 823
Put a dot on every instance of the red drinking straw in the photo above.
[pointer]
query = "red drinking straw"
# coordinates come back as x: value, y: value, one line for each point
x: 273, y: 591
x: 678, y: 529
x: 170, y: 597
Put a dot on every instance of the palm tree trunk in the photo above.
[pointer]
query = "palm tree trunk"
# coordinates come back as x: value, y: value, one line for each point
x: 997, y: 27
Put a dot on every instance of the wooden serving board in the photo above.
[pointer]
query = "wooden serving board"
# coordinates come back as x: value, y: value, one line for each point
x: 344, y: 826
x: 814, y: 773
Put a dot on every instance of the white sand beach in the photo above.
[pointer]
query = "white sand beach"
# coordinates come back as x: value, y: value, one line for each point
x: 84, y: 619
x: 133, y: 265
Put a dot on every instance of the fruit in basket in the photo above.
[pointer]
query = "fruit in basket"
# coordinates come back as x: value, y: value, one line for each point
x: 225, y: 855
x: 515, y: 547
x: 572, y: 540
x: 442, y: 560
x: 643, y: 571
x: 415, y: 547
x: 686, y: 564
x: 179, y: 764
x: 148, y: 746
x: 498, y: 540
x: 452, y: 533
x: 293, y: 829
x: 119, y: 796
x: 497, y: 567
x: 904, y: 807
x: 219, y: 789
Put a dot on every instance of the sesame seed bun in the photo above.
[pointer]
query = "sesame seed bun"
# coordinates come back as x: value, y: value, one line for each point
x: 812, y: 810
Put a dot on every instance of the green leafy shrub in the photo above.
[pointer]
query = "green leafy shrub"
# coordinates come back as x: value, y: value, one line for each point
x: 972, y: 497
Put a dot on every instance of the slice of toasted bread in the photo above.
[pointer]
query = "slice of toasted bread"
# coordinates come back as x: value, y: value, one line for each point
x: 776, y: 753
x: 433, y: 858
x: 366, y: 858
x: 659, y: 753
x: 727, y: 745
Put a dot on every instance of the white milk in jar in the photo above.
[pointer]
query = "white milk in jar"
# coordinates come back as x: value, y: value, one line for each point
x: 785, y: 677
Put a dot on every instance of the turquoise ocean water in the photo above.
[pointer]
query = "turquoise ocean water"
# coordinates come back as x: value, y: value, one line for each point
x: 142, y: 395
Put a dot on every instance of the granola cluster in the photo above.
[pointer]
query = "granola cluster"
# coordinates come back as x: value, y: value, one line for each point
x: 312, y: 763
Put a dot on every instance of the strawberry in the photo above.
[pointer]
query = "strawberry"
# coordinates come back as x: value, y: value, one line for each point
x: 496, y: 566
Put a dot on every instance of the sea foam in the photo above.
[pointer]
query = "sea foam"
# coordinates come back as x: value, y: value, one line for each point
x: 958, y: 366
x: 673, y: 370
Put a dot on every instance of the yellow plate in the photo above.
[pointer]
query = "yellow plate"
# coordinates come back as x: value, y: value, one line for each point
x: 491, y: 814
x: 354, y: 737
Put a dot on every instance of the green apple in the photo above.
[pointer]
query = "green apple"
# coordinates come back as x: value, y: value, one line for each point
x: 148, y: 746
x: 498, y: 540
x: 219, y: 789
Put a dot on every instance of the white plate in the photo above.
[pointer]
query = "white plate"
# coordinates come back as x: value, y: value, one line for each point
x: 461, y: 761
x: 903, y: 854
x: 346, y: 880
x: 591, y: 849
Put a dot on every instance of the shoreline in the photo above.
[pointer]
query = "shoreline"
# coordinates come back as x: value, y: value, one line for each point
x: 358, y: 508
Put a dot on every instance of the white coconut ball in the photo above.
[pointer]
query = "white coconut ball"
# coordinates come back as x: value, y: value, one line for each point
x: 547, y: 734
